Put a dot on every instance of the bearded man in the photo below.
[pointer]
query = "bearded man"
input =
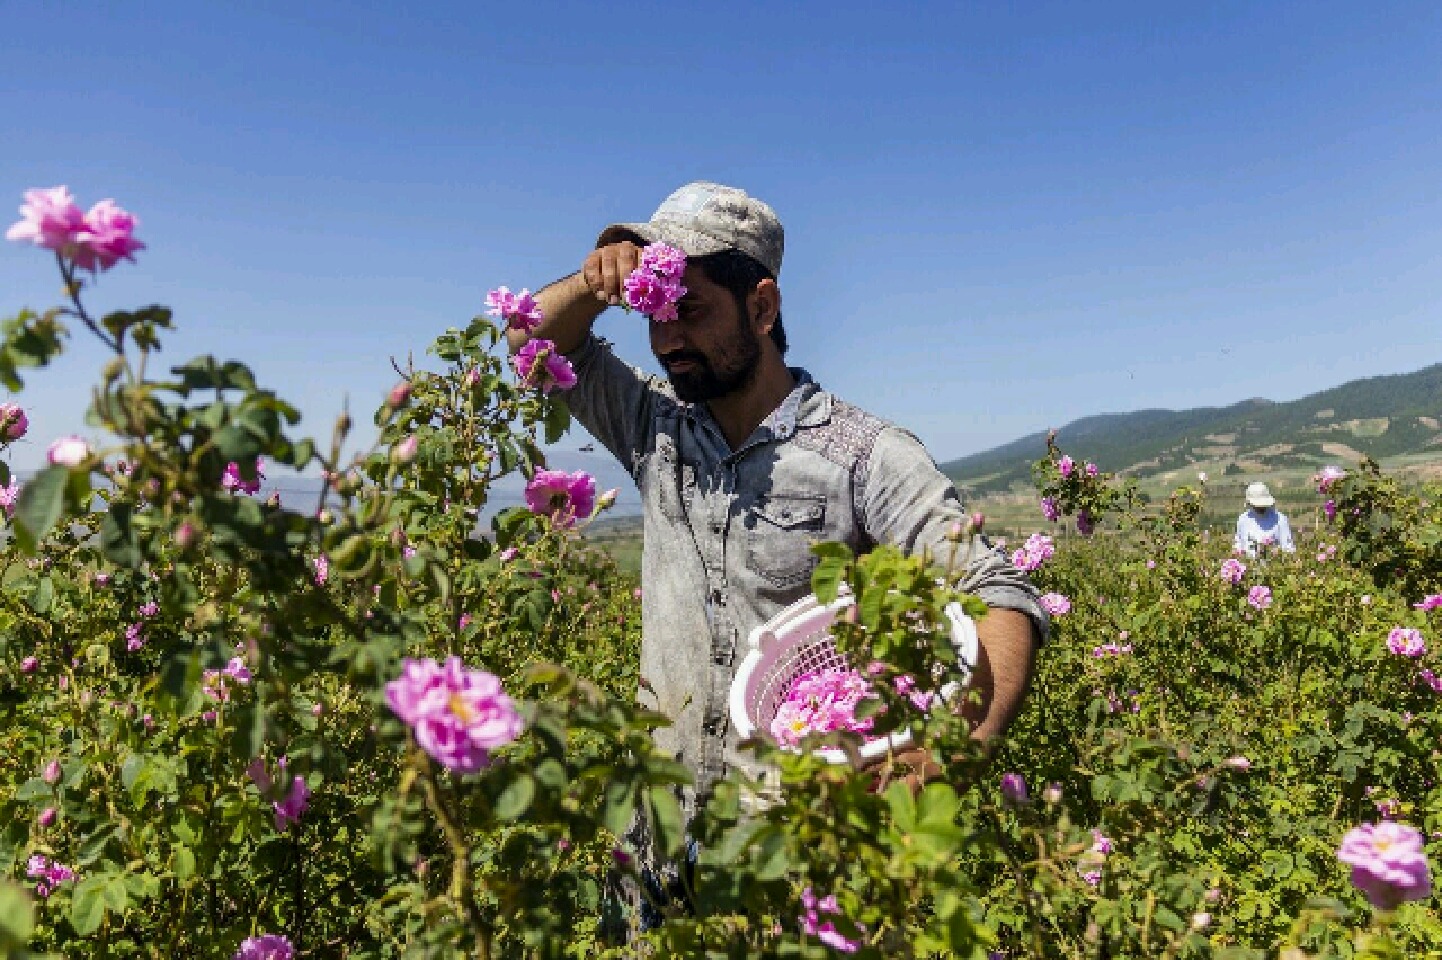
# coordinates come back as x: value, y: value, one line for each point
x: 743, y: 462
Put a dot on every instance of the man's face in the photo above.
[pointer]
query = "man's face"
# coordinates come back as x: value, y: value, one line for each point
x: 711, y: 351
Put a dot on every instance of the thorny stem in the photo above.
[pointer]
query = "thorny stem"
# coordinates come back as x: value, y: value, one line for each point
x: 461, y: 891
x: 72, y: 290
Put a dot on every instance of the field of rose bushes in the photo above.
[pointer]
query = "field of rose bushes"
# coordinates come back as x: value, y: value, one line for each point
x: 236, y: 727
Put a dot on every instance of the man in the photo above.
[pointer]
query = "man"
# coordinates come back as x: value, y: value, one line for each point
x: 743, y: 463
x: 1261, y: 524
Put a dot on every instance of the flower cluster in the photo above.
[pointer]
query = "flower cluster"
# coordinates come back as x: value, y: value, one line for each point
x: 519, y: 310
x: 1328, y: 476
x: 821, y: 701
x: 1037, y: 550
x: 1406, y: 642
x: 564, y: 497
x: 92, y: 241
x: 48, y: 874
x: 233, y: 481
x: 458, y: 715
x: 654, y: 288
x: 1233, y: 570
x: 1111, y: 650
x: 1388, y: 863
x: 1049, y: 509
x: 216, y: 683
x: 270, y: 946
x: 905, y: 686
x: 1260, y: 597
x: 1055, y: 604
x: 824, y: 930
x: 539, y: 366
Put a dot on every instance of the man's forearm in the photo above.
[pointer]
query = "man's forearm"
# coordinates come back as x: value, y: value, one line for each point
x: 1003, y: 670
x: 569, y: 308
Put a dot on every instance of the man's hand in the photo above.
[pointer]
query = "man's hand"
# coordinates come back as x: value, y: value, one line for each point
x: 571, y: 305
x: 606, y: 269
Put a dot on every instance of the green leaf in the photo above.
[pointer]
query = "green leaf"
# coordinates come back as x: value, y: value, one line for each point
x: 87, y: 904
x: 618, y: 807
x: 40, y: 505
x: 516, y: 798
x: 117, y: 897
x: 771, y: 859
x: 17, y: 917
x: 249, y: 735
x: 43, y: 596
x: 234, y: 443
x: 903, y: 805
x: 558, y: 419
x: 117, y: 536
x: 184, y: 866
x: 666, y: 822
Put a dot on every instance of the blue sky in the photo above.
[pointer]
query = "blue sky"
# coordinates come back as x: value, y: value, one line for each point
x: 1000, y: 217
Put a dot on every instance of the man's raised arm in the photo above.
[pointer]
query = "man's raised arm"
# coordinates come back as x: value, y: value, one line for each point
x: 571, y: 305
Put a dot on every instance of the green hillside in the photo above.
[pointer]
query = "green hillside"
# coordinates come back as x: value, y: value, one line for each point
x: 1391, y: 418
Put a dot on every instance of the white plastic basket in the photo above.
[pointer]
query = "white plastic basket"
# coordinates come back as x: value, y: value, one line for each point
x: 796, y: 641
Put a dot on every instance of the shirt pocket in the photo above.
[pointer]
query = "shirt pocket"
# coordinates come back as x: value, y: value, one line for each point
x: 780, y: 532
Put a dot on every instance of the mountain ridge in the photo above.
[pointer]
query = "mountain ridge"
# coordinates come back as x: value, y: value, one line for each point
x: 1384, y: 416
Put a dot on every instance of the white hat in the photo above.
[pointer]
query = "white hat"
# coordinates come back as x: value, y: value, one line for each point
x: 1259, y: 496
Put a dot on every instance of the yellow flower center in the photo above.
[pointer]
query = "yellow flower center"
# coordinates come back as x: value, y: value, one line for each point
x: 461, y: 709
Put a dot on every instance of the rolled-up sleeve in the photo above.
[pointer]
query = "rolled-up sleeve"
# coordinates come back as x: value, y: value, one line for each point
x: 612, y: 399
x: 908, y: 502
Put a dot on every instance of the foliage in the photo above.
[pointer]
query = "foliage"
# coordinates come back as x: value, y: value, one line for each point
x: 1393, y: 533
x: 174, y: 653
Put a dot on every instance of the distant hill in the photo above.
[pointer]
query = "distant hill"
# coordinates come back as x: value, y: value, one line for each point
x: 1396, y: 418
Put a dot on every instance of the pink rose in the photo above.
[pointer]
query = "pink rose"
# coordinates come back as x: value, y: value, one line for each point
x: 564, y: 497
x: 538, y: 365
x: 107, y: 237
x: 234, y: 481
x: 68, y: 452
x: 50, y: 219
x: 519, y: 310
x: 1388, y: 863
x: 288, y: 810
x: 458, y: 715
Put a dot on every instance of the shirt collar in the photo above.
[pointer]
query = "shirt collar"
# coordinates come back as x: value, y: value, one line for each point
x: 807, y: 405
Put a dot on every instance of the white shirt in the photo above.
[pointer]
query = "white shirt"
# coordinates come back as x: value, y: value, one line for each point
x: 1270, y: 527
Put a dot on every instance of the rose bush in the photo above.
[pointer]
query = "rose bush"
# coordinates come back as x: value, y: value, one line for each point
x: 235, y: 727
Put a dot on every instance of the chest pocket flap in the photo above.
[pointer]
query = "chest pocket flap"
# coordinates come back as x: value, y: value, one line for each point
x: 781, y: 531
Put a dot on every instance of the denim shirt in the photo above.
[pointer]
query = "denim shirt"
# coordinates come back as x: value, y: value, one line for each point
x: 728, y: 532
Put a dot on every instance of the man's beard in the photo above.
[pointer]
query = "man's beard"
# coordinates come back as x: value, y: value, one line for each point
x: 734, y: 368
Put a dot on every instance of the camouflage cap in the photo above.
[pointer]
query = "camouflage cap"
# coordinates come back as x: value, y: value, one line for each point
x: 704, y: 217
